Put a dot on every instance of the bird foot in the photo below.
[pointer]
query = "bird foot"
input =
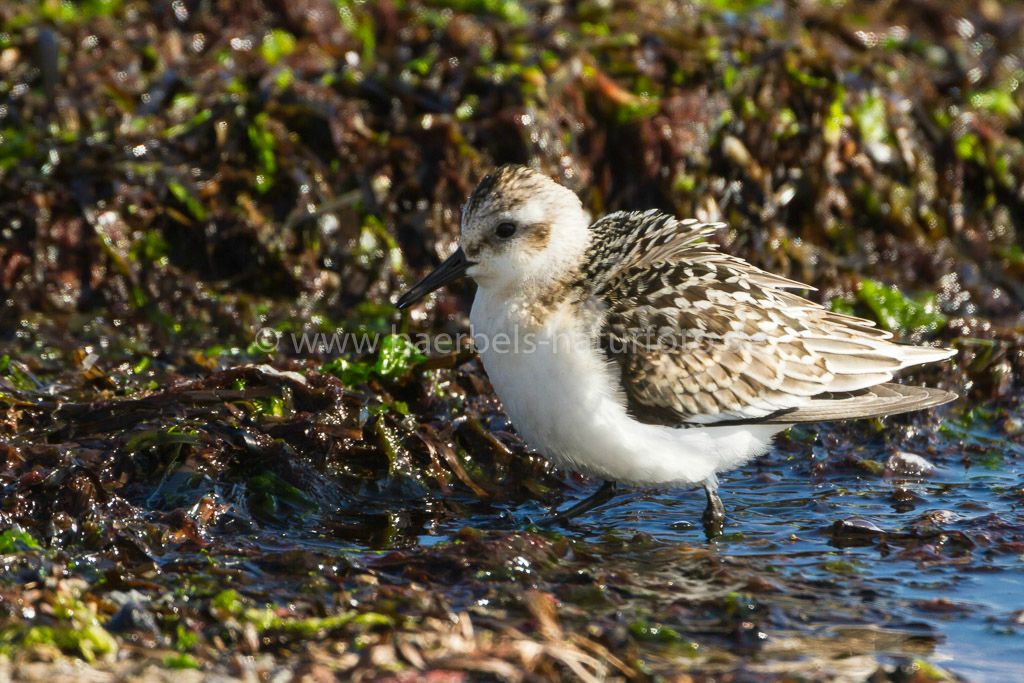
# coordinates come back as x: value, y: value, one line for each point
x: 599, y: 497
x: 714, y: 514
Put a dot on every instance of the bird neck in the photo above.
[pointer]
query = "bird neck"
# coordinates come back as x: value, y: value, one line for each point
x: 529, y: 304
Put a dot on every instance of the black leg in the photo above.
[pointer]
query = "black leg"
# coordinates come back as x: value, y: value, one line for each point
x: 714, y: 513
x: 602, y: 495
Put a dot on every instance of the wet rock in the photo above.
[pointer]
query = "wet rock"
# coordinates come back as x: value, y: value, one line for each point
x: 906, y: 464
x: 936, y: 518
x: 855, y: 531
x: 1013, y: 425
x: 905, y: 499
x: 942, y: 606
x: 132, y: 617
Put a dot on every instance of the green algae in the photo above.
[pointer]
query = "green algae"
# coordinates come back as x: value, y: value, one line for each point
x: 510, y: 11
x: 276, y: 45
x: 77, y: 632
x: 396, y: 357
x: 899, y: 313
x: 17, y: 541
x: 181, y: 660
x: 871, y: 119
x: 194, y: 206
x: 263, y: 143
x: 267, y: 619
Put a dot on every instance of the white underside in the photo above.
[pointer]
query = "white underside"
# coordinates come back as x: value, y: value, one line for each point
x: 563, y: 397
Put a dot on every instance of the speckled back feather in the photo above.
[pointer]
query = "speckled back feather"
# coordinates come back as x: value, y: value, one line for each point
x: 701, y: 337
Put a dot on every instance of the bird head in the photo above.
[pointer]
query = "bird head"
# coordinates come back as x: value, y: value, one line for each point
x: 520, y: 231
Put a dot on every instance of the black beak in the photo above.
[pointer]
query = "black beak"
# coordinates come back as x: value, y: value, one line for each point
x: 453, y: 267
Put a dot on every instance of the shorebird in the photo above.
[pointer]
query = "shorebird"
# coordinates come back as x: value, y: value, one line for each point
x: 632, y: 350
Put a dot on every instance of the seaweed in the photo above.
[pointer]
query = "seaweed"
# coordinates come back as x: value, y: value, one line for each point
x: 200, y: 202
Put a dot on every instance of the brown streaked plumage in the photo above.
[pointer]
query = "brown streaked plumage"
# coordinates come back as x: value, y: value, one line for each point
x: 536, y: 236
x: 701, y: 337
x: 502, y: 190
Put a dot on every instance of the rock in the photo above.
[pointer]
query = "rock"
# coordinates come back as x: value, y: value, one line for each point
x: 132, y: 617
x: 855, y: 531
x: 1013, y: 425
x: 904, y: 463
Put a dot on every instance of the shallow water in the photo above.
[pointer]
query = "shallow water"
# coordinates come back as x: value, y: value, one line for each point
x: 950, y: 589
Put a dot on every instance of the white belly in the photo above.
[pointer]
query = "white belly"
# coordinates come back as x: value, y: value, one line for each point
x: 563, y: 398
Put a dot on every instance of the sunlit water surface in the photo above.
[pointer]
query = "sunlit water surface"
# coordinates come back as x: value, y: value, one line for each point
x: 957, y: 581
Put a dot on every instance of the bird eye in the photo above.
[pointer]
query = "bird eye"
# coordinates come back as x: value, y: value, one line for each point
x: 505, y: 230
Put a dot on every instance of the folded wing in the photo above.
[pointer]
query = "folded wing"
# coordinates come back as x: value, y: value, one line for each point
x: 701, y: 337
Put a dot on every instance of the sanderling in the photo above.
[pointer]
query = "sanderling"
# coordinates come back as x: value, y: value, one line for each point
x: 635, y: 351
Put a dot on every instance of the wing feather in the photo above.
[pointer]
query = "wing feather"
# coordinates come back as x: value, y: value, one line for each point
x: 879, y: 400
x: 701, y: 337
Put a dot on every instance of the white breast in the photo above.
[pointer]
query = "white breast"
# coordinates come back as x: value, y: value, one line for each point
x: 564, y: 398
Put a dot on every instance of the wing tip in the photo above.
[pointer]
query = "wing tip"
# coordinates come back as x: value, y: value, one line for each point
x: 906, y: 398
x: 878, y: 401
x: 938, y: 397
x: 909, y: 356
